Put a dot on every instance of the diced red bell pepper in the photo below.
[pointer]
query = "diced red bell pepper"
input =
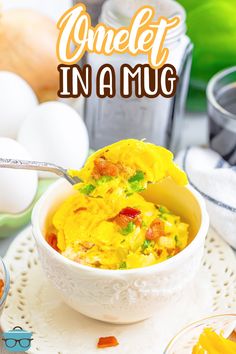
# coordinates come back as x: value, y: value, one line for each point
x: 130, y: 212
x: 79, y: 209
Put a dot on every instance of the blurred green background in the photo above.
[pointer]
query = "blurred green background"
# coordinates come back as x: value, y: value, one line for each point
x: 212, y: 28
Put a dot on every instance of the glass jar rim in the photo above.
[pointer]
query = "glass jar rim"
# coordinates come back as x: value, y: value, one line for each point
x: 110, y: 16
x: 211, y: 95
x: 6, y: 282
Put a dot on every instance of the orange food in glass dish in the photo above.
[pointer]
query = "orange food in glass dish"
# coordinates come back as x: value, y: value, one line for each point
x: 1, y: 288
x: 210, y: 342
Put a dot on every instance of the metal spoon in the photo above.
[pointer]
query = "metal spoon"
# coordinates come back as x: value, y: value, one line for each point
x: 38, y: 166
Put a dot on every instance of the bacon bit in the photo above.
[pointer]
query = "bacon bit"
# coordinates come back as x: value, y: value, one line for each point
x: 130, y: 212
x: 176, y: 250
x: 121, y: 220
x: 78, y: 260
x: 80, y: 209
x: 233, y: 336
x: 126, y: 215
x: 173, y: 251
x: 97, y: 264
x: 159, y: 252
x: 87, y: 245
x: 138, y: 220
x: 155, y: 230
x: 107, y: 342
x: 1, y: 287
x: 103, y: 167
x: 52, y: 241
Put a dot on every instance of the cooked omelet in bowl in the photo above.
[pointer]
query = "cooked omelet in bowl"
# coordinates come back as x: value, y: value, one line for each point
x: 107, y: 223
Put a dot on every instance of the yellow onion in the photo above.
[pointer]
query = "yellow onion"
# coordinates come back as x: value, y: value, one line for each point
x: 28, y: 48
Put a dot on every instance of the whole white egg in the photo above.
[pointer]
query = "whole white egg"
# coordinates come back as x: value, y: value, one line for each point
x: 54, y: 132
x: 17, y: 187
x: 16, y: 99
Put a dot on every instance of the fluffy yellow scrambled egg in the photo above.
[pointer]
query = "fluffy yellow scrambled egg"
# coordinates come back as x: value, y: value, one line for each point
x: 107, y: 224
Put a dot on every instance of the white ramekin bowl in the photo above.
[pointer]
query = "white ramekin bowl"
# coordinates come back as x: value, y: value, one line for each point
x: 124, y: 296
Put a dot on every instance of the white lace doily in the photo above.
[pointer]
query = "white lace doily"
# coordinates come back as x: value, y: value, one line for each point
x: 34, y: 305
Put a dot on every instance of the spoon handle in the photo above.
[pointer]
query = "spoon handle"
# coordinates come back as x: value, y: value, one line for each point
x: 37, y: 166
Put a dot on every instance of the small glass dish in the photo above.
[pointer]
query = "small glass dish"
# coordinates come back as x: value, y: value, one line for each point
x: 221, y: 96
x: 185, y: 340
x: 5, y: 277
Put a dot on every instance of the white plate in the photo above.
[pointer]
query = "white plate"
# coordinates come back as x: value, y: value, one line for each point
x: 34, y: 305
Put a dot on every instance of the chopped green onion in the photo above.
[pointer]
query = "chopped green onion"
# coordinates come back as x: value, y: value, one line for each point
x: 162, y: 210
x: 103, y: 179
x: 163, y: 217
x: 128, y: 229
x: 144, y: 224
x: 177, y: 241
x: 139, y: 176
x: 123, y: 265
x: 145, y: 245
x: 136, y: 186
x: 87, y: 189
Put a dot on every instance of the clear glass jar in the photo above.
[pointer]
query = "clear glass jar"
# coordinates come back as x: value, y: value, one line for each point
x: 221, y: 96
x: 156, y: 119
x: 93, y: 8
x: 5, y: 278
